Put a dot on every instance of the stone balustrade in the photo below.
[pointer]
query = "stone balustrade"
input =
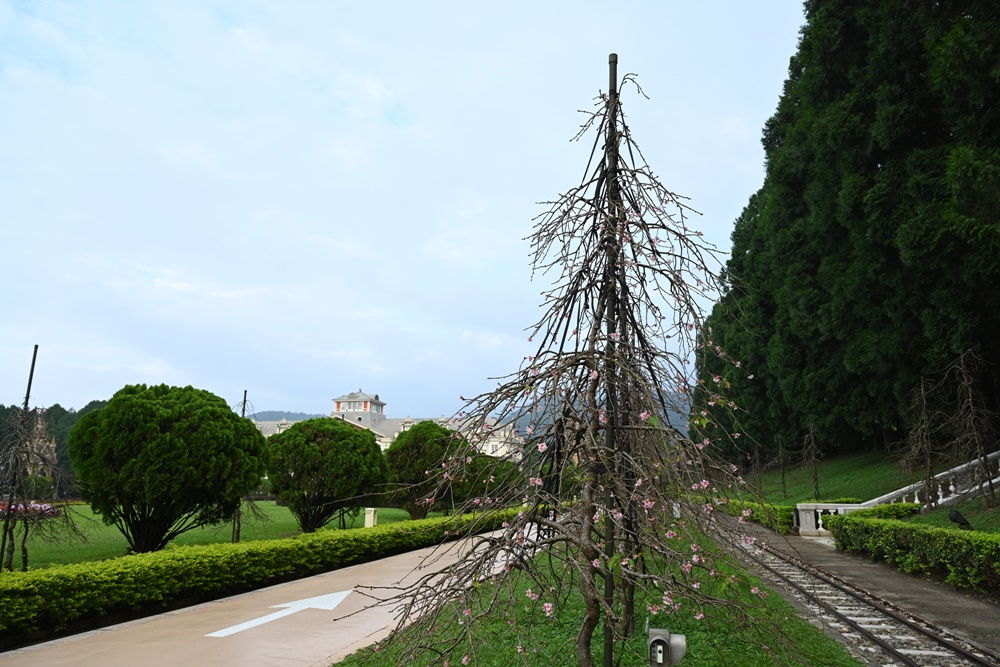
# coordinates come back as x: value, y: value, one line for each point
x: 949, y: 487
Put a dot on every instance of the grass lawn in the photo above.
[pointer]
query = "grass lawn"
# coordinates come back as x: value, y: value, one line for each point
x: 864, y: 476
x: 103, y: 542
x: 868, y: 476
x: 519, y: 633
x: 981, y: 519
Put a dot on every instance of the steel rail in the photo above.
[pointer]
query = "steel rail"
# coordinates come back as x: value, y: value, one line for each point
x: 869, y: 600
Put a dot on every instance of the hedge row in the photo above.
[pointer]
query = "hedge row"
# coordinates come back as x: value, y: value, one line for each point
x: 775, y: 517
x: 966, y: 559
x: 50, y: 599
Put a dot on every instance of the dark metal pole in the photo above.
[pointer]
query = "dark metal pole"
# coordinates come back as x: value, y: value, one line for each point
x: 31, y: 375
x: 611, y: 375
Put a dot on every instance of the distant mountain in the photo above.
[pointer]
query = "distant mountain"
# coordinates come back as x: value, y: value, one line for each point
x: 278, y: 415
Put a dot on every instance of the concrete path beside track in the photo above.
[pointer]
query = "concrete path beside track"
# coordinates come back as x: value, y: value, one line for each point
x: 293, y: 637
x: 967, y: 615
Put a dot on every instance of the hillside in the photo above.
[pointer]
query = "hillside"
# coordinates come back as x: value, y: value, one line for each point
x: 278, y: 415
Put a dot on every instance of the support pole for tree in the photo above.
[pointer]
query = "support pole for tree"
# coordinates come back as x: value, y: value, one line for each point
x: 236, y: 517
x: 611, y: 375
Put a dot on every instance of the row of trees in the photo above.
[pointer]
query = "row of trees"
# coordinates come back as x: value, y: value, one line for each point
x: 870, y: 256
x: 158, y: 461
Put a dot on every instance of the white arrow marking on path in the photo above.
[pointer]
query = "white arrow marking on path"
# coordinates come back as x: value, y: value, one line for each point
x: 327, y: 602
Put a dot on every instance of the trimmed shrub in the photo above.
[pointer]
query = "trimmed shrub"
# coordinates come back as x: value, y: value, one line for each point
x: 775, y: 517
x: 965, y: 559
x: 50, y: 599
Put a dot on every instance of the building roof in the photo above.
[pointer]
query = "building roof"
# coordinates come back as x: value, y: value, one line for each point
x: 359, y: 396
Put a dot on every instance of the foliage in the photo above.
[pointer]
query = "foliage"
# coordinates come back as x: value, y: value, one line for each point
x: 412, y: 455
x: 860, y: 263
x: 322, y: 467
x: 966, y: 559
x: 158, y: 461
x: 776, y: 517
x: 52, y: 598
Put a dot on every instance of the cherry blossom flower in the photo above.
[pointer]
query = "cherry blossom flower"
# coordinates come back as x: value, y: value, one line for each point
x: 644, y: 415
x: 548, y: 608
x: 593, y: 375
x: 699, y: 616
x: 542, y: 446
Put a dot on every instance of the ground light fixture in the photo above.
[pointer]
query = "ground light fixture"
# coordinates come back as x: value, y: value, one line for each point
x: 665, y: 648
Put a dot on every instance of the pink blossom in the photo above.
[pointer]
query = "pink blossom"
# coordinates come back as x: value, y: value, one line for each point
x: 686, y: 567
x: 699, y: 616
x: 601, y: 417
x: 644, y: 415
x: 614, y: 336
x: 531, y: 595
x: 465, y: 659
x: 671, y: 534
x: 593, y: 375
x: 548, y: 608
x: 597, y: 562
x: 542, y: 446
x: 648, y: 504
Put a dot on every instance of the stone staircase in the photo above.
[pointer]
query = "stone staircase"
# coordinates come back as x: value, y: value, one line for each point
x: 949, y: 487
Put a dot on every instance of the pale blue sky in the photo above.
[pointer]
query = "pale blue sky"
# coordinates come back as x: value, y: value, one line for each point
x: 306, y: 198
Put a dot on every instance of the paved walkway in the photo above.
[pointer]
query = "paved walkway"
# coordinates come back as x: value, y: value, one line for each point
x: 256, y: 629
x: 965, y: 614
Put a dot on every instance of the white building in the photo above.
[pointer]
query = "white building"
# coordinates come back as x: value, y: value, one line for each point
x: 368, y: 411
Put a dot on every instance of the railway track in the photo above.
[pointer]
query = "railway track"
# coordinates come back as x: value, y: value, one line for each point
x: 877, y: 631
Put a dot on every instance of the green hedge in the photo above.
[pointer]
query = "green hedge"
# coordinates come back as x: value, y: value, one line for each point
x: 966, y: 559
x: 50, y: 599
x: 775, y: 517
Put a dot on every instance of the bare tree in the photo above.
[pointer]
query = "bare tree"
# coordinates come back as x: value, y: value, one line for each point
x: 247, y: 509
x: 610, y: 498
x: 22, y: 463
x: 811, y: 457
x: 922, y: 448
x: 973, y: 424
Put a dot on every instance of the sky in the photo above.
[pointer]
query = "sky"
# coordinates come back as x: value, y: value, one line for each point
x: 302, y: 199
